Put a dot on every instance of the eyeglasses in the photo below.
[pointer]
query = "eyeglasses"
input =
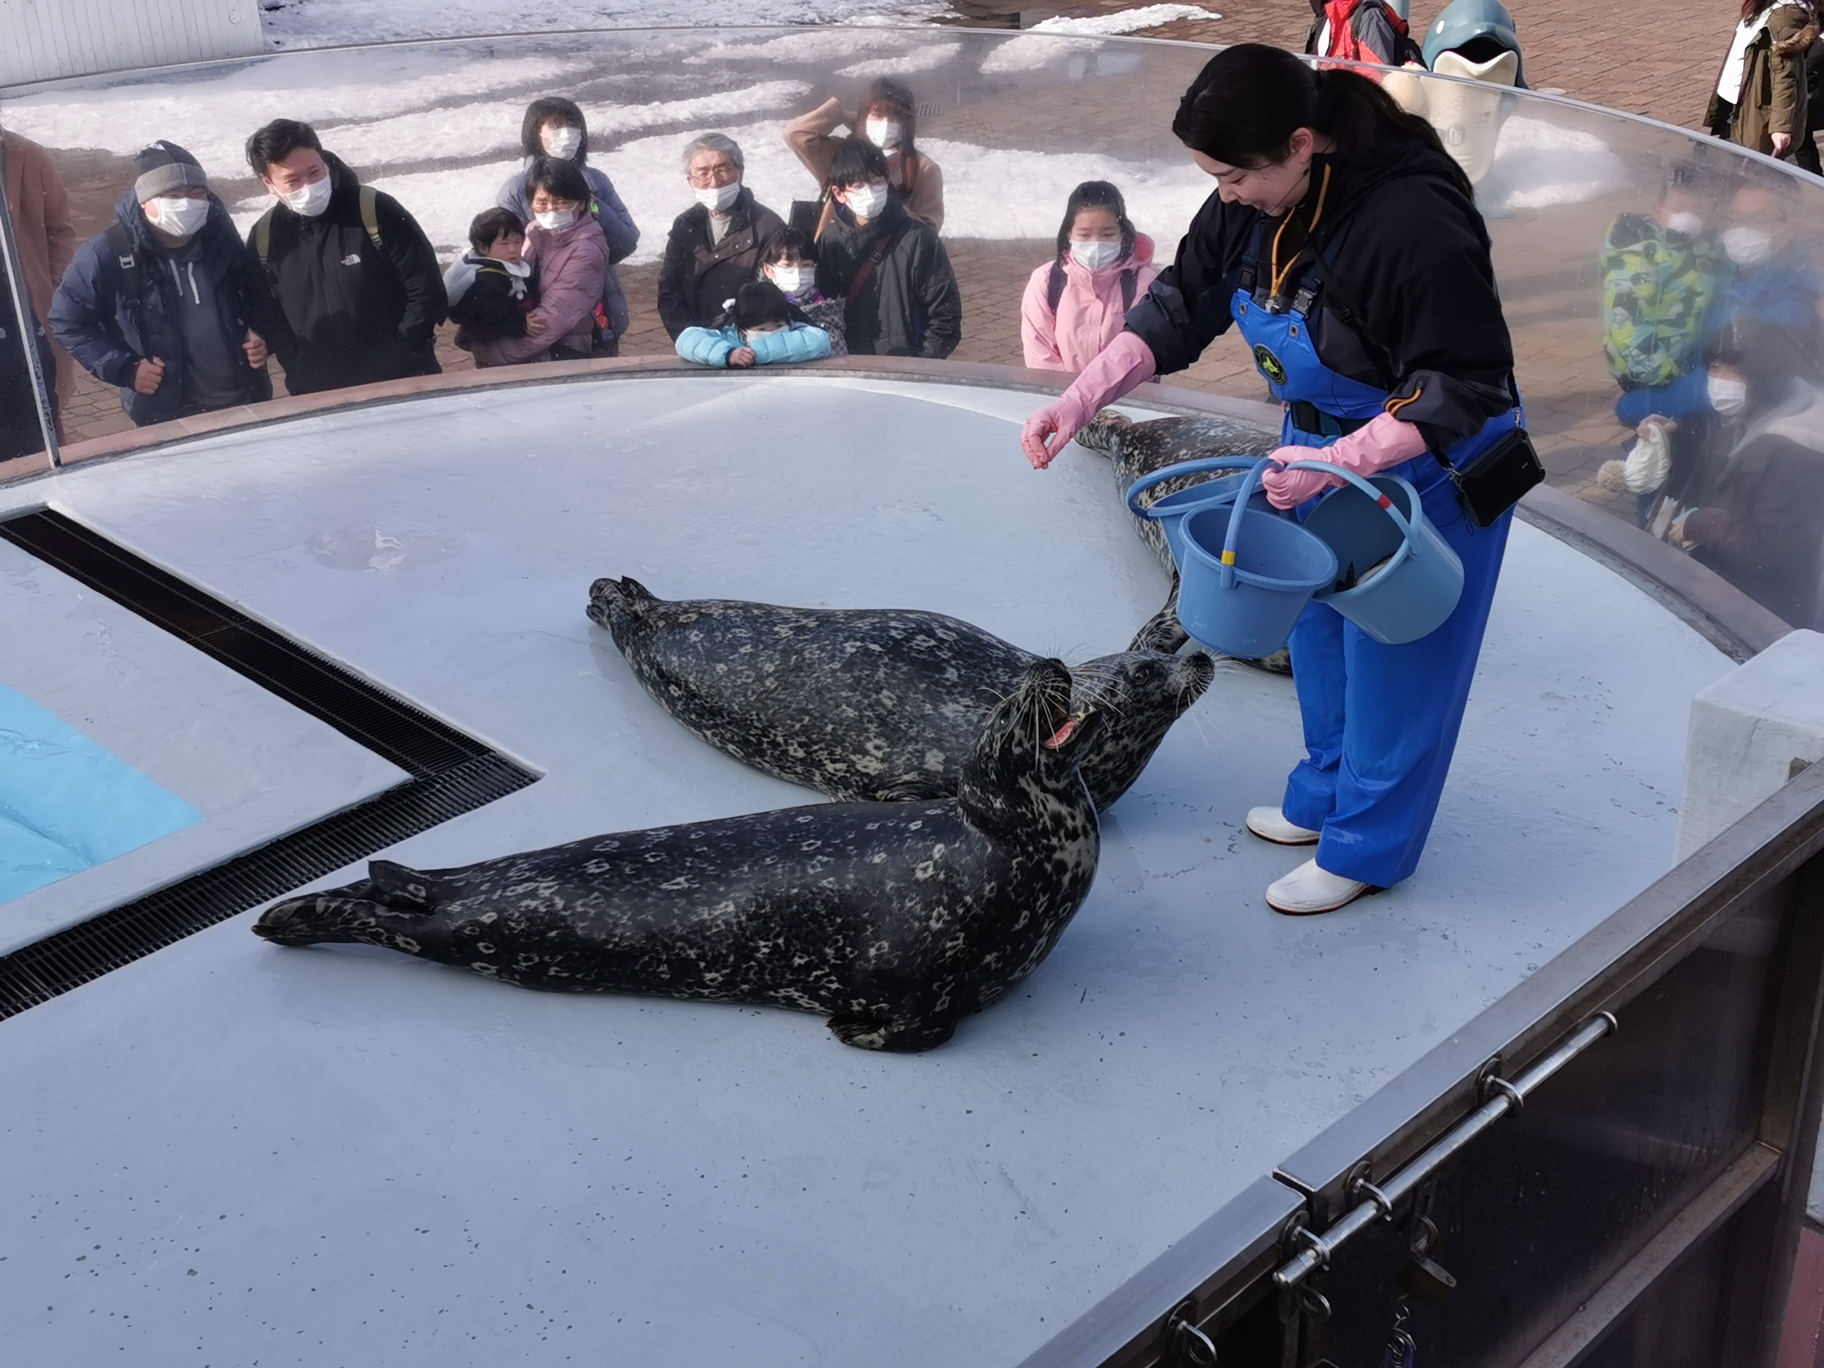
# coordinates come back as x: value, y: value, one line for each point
x: 716, y: 173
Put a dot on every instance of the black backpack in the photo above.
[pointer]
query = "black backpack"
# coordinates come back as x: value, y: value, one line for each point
x: 133, y: 280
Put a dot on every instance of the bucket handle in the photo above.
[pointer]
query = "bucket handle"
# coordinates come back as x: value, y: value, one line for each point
x: 1146, y: 482
x: 1249, y: 483
x: 1386, y: 504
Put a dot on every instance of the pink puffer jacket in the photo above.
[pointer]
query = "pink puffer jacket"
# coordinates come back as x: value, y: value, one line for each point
x: 572, y: 266
x: 1090, y: 311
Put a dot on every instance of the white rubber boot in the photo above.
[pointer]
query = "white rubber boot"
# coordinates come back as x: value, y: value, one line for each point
x: 1308, y: 889
x: 1270, y: 824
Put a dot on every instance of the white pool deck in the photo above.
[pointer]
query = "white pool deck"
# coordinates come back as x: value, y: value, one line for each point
x: 229, y: 1153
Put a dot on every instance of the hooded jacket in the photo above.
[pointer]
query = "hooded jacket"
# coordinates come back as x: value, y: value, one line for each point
x: 1414, y: 313
x: 700, y: 275
x: 909, y: 305
x: 618, y: 231
x: 794, y: 344
x: 93, y: 319
x: 1773, y: 97
x: 1090, y: 313
x: 570, y: 263
x: 337, y: 310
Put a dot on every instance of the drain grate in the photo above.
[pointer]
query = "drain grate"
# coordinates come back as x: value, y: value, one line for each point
x: 452, y: 773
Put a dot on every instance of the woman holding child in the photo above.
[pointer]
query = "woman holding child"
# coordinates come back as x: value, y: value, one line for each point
x: 565, y: 248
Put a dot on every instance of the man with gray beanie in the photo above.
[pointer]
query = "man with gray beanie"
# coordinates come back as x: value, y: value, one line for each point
x: 156, y: 304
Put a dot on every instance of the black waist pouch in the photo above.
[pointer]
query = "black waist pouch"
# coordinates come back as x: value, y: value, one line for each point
x: 1493, y: 481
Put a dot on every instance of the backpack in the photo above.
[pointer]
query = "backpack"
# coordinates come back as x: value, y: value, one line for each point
x: 1054, y: 288
x: 1345, y: 46
x: 261, y: 236
x: 133, y: 280
x: 1655, y: 298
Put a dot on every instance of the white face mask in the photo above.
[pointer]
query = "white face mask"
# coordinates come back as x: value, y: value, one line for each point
x: 1096, y: 255
x: 794, y: 280
x: 764, y: 330
x: 309, y: 200
x: 885, y: 132
x: 557, y: 218
x: 1748, y: 246
x: 562, y: 142
x: 178, y: 215
x: 866, y: 201
x: 718, y: 199
x: 1690, y: 225
x: 1727, y: 397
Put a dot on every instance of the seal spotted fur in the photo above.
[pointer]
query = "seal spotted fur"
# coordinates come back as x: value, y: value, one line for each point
x: 878, y: 705
x: 894, y: 919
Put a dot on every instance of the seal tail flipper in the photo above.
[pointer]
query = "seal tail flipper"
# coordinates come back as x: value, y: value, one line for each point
x: 336, y: 915
x: 894, y: 1036
x: 617, y: 604
x: 1162, y: 631
x: 1098, y: 434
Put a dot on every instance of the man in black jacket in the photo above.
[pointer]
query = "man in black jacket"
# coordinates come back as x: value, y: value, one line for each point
x: 891, y: 268
x: 343, y: 283
x: 157, y: 304
x: 715, y: 245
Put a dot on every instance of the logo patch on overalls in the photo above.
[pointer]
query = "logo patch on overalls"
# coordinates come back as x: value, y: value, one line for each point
x: 1269, y: 364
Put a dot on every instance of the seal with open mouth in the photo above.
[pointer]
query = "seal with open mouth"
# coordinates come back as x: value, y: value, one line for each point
x: 895, y: 920
x: 879, y: 704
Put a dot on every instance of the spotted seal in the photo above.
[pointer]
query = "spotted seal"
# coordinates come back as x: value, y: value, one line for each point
x: 878, y: 705
x: 893, y: 919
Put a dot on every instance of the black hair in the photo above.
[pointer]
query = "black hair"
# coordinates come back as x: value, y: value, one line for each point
x: 542, y: 111
x: 490, y: 225
x: 558, y: 176
x: 1096, y: 195
x: 789, y: 242
x: 895, y: 102
x: 759, y: 302
x: 277, y: 141
x: 1250, y: 99
x: 1769, y: 356
x: 857, y: 161
x: 1692, y: 177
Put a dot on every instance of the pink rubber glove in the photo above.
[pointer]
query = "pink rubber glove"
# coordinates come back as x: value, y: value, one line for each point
x: 1386, y: 441
x: 1121, y: 365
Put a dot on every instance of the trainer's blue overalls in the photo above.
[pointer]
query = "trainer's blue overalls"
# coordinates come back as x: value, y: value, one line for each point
x: 1380, y: 721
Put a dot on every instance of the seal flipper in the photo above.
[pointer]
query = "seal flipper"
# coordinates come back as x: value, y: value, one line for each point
x: 618, y: 604
x: 402, y: 888
x: 906, y: 1035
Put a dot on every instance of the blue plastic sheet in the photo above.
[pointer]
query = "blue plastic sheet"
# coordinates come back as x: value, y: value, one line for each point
x: 66, y: 803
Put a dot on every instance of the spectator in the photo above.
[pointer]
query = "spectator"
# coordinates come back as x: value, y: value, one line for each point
x: 21, y: 431
x: 555, y: 127
x: 790, y: 262
x: 1762, y: 523
x: 490, y: 289
x: 1760, y: 99
x: 1806, y: 153
x: 47, y: 239
x: 341, y: 280
x: 157, y: 304
x: 567, y: 250
x: 762, y: 329
x: 1077, y: 303
x: 1360, y: 31
x: 716, y: 245
x: 889, y: 269
x: 888, y: 118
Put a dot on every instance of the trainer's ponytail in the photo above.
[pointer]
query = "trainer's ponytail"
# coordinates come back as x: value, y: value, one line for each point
x: 1250, y: 99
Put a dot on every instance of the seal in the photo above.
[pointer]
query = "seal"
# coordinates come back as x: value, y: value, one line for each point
x: 1137, y: 449
x: 879, y: 704
x: 895, y: 920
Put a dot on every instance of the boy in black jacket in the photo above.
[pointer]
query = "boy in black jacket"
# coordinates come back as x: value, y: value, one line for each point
x: 491, y: 289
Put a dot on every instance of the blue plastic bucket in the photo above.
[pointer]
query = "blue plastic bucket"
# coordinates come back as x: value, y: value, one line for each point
x: 1245, y: 575
x: 1379, y: 522
x: 1170, y: 511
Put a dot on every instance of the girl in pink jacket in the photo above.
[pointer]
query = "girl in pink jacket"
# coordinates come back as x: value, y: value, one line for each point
x: 566, y: 248
x: 1075, y: 305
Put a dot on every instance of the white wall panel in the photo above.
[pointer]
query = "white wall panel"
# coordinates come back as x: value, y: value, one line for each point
x: 41, y: 40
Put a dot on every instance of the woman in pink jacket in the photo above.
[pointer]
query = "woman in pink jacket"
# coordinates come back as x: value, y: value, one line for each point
x: 1074, y: 306
x: 569, y: 254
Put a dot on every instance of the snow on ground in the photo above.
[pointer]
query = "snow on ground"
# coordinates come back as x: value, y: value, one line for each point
x: 1030, y: 51
x: 1540, y: 164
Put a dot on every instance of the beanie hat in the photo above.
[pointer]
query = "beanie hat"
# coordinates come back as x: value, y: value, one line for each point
x: 164, y: 167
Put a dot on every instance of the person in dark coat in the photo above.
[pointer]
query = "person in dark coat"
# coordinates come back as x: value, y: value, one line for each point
x: 889, y: 267
x: 715, y: 245
x: 170, y: 329
x: 21, y: 428
x: 342, y: 281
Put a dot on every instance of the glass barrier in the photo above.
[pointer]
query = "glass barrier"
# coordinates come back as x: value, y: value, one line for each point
x: 1662, y: 289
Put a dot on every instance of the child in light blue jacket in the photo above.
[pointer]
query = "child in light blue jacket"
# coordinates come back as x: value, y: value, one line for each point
x: 759, y: 330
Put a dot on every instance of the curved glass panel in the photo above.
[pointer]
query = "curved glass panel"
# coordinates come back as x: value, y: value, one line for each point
x: 1616, y: 315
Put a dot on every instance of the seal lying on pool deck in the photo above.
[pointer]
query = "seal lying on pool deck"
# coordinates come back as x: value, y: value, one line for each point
x: 895, y: 919
x: 878, y: 704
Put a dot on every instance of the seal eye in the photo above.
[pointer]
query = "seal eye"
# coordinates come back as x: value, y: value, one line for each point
x: 1146, y: 672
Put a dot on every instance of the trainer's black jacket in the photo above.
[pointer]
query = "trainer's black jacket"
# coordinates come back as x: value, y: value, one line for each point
x: 1413, y: 308
x: 335, y: 309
